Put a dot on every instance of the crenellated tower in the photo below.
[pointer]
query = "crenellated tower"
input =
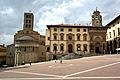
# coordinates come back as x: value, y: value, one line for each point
x: 96, y: 18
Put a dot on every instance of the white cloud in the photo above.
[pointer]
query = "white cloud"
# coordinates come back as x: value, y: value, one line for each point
x: 6, y: 39
x: 6, y: 11
x: 51, y: 12
x: 57, y: 13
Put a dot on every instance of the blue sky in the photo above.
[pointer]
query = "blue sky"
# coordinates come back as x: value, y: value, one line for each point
x: 51, y: 12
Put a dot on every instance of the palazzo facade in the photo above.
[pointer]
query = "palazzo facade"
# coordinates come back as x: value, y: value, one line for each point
x: 113, y: 35
x: 78, y: 39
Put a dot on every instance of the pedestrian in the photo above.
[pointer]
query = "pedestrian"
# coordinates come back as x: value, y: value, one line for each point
x: 104, y: 51
x: 23, y: 63
x: 61, y: 60
x: 30, y: 63
x: 110, y: 52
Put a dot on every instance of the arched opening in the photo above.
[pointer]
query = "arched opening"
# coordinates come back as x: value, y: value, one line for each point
x: 108, y: 47
x: 97, y: 48
x: 70, y: 48
x: 84, y: 37
x: 111, y: 50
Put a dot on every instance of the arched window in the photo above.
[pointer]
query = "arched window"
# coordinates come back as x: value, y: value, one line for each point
x: 85, y: 47
x: 55, y: 36
x: 54, y: 47
x: 70, y: 36
x: 84, y: 37
x: 78, y: 47
x: 61, y: 36
x: 48, y: 49
x: 61, y: 47
x: 78, y: 36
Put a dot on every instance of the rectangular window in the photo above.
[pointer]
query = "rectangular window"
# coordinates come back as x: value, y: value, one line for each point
x: 29, y: 21
x: 78, y: 30
x: 110, y: 34
x: 26, y: 21
x: 70, y: 30
x: 55, y: 29
x: 113, y: 32
x: 27, y: 16
x: 118, y: 31
x: 61, y: 29
x: 84, y: 30
x: 48, y: 38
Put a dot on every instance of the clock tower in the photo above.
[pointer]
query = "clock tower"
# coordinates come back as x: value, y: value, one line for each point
x: 96, y: 18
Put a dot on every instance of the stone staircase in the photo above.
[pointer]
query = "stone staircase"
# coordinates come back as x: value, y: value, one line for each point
x: 69, y: 56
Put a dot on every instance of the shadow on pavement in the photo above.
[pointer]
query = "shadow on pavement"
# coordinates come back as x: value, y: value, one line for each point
x: 14, y: 67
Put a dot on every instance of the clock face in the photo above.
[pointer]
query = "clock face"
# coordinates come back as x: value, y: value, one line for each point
x: 96, y: 17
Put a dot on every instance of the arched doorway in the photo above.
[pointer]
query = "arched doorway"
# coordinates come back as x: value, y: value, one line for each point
x: 97, y: 48
x: 70, y: 48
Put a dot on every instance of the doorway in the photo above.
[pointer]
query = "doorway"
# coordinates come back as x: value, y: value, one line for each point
x: 70, y: 48
x: 97, y: 50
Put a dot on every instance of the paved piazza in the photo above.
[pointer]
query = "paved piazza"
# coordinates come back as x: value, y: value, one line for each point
x: 106, y: 67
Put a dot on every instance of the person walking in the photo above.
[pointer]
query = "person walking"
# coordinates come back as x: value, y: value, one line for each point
x: 61, y: 59
x: 30, y: 63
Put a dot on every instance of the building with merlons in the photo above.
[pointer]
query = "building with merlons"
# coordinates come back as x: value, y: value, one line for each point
x: 76, y: 38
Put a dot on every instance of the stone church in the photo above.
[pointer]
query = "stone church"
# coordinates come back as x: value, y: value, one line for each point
x: 29, y: 45
x: 80, y: 39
